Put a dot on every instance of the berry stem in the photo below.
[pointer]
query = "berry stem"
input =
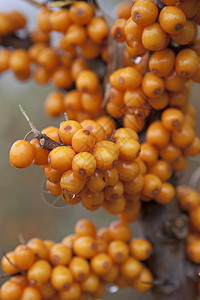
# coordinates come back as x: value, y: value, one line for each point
x: 12, y: 264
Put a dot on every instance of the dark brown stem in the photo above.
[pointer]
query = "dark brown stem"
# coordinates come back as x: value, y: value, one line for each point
x: 45, y: 141
x: 4, y: 275
x: 15, y: 41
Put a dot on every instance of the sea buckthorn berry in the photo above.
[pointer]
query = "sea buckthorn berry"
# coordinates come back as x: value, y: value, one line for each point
x: 70, y: 198
x: 72, y: 101
x: 193, y: 149
x: 115, y: 96
x: 195, y: 218
x: 118, y: 250
x: 160, y: 102
x: 117, y: 30
x: 140, y: 282
x: 180, y: 164
x: 81, y: 13
x: 52, y: 175
x: 196, y: 76
x: 39, y: 273
x: 136, y: 50
x: 186, y: 35
x: 72, y: 292
x: 97, y: 30
x: 108, y: 124
x: 53, y: 105
x: 4, y: 59
x: 105, y: 157
x: 6, y: 24
x: 85, y: 227
x: 172, y: 19
x: 142, y: 166
x: 152, y: 185
x: 116, y: 206
x: 77, y: 66
x: 144, y: 12
x: 90, y: 49
x: 101, y: 264
x: 91, y: 283
x: 187, y: 63
x: 61, y: 277
x: 6, y: 266
x: 134, y: 100
x: 152, y: 85
x: 173, y: 82
x: 92, y: 201
x: 127, y: 170
x: 172, y: 119
x: 34, y: 50
x: 72, y: 183
x: 87, y: 81
x: 148, y: 153
x: 183, y: 137
x: 60, y: 20
x: 126, y: 78
x: 83, y: 140
x: 180, y: 98
x: 48, y: 59
x: 110, y: 145
x: 119, y: 230
x: 39, y: 36
x: 47, y: 291
x: 188, y: 198
x: 134, y: 186
x: 96, y: 182
x: 19, y: 61
x: 114, y: 110
x: 129, y: 149
x: 162, y: 169
x: 20, y: 280
x: 157, y: 134
x: 170, y: 152
x: 112, y: 275
x: 85, y: 246
x: 69, y: 240
x: 104, y: 234
x: 169, y: 2
x: 31, y: 292
x: 41, y: 155
x: 10, y: 290
x: 133, y: 32
x: 24, y: 257
x: 97, y: 130
x: 41, y: 75
x: 193, y: 251
x: 131, y: 268
x: 67, y: 129
x: 43, y: 19
x: 190, y: 8
x: 49, y: 244
x: 80, y: 268
x: 166, y: 194
x: 21, y: 154
x: 60, y: 158
x: 141, y: 249
x: 162, y: 62
x: 61, y: 78
x: 18, y: 19
x: 60, y: 254
x: 123, y: 10
x: 153, y: 36
x: 76, y: 35
x: 125, y: 133
x: 92, y: 102
x: 84, y: 164
x: 114, y: 192
x: 38, y: 247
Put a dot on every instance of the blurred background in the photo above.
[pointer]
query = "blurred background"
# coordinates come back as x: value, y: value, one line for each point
x: 22, y: 206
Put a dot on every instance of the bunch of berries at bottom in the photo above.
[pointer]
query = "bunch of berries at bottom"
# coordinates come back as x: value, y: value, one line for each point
x: 92, y: 164
x: 79, y: 267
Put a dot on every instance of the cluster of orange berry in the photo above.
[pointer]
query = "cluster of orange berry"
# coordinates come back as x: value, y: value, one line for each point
x: 79, y: 266
x: 10, y: 22
x: 189, y: 200
x: 81, y: 103
x: 152, y: 46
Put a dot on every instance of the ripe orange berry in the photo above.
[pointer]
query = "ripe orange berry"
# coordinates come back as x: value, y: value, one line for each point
x: 140, y: 282
x: 81, y: 13
x: 10, y: 290
x: 83, y: 140
x: 172, y: 119
x: 97, y: 30
x: 47, y: 291
x: 101, y: 264
x: 186, y: 35
x: 126, y: 78
x: 133, y: 33
x: 61, y: 78
x: 4, y: 59
x: 85, y: 227
x: 31, y: 292
x: 52, y: 175
x: 188, y: 198
x: 187, y: 63
x: 41, y: 155
x: 97, y: 130
x: 193, y: 251
x: 53, y: 105
x: 43, y: 19
x: 85, y: 246
x: 183, y: 137
x: 106, y: 158
x: 119, y: 230
x: 61, y: 278
x: 152, y: 85
x: 24, y: 257
x: 107, y: 123
x: 173, y: 82
x: 84, y: 164
x: 72, y: 183
x: 48, y: 59
x: 195, y: 218
x: 38, y: 247
x: 193, y: 149
x: 92, y: 201
x: 80, y: 268
x: 148, y: 154
x: 72, y: 292
x: 39, y: 273
x: 72, y: 101
x: 41, y: 75
x: 21, y: 154
x: 67, y: 129
x: 172, y: 19
x: 129, y: 149
x: 60, y: 20
x: 170, y: 152
x: 76, y: 35
x: 6, y: 266
x: 92, y: 102
x: 162, y: 169
x: 91, y: 284
x: 123, y: 10
x: 60, y: 158
x: 180, y: 164
x: 127, y: 170
x: 141, y: 249
x: 152, y: 185
x: 20, y: 280
x: 117, y: 30
x: 131, y: 268
x: 60, y: 254
x: 96, y: 182
x: 157, y: 134
x: 90, y: 49
x: 162, y: 62
x: 118, y: 250
x: 190, y: 8
x: 19, y: 61
x: 134, y: 186
x: 166, y: 194
x: 114, y: 192
x: 153, y: 36
x: 144, y: 12
x: 115, y: 207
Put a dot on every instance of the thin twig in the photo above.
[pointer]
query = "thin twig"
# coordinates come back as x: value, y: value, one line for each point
x: 34, y: 2
x: 30, y: 132
x: 21, y: 238
x: 66, y: 116
x: 4, y: 275
x: 12, y: 264
x: 33, y: 127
